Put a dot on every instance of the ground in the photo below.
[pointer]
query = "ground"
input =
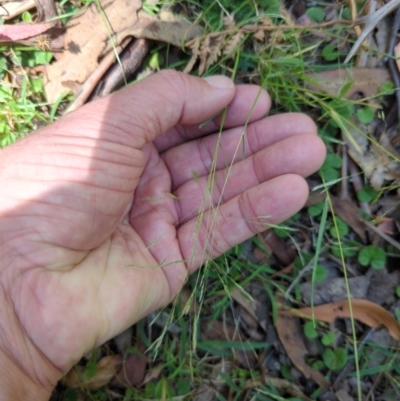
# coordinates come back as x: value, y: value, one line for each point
x: 270, y: 319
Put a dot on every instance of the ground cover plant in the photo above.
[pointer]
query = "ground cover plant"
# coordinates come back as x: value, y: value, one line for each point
x: 308, y: 309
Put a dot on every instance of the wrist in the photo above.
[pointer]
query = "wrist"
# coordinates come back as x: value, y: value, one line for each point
x: 15, y: 384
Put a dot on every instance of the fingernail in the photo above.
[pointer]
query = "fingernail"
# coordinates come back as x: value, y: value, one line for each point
x: 220, y: 82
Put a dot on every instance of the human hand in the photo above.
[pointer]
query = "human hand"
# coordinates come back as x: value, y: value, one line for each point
x: 92, y: 238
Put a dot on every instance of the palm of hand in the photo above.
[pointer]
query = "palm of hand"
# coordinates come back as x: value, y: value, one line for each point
x: 100, y: 239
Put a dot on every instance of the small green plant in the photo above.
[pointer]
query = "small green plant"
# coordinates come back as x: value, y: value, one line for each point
x: 350, y: 248
x: 398, y: 291
x: 316, y: 14
x: 330, y: 53
x: 309, y: 330
x: 328, y: 338
x: 330, y: 168
x: 341, y: 229
x: 372, y: 256
x: 319, y: 274
x: 365, y: 115
x: 367, y: 194
x: 335, y: 359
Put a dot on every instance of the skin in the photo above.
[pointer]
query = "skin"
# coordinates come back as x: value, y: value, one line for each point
x: 91, y: 238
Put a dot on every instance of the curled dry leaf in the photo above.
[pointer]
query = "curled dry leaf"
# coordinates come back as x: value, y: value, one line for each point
x: 364, y: 311
x: 12, y: 9
x: 87, y: 39
x: 365, y: 80
x: 17, y: 32
x: 289, y: 333
x: 106, y: 369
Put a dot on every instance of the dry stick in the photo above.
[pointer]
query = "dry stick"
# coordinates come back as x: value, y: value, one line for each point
x: 353, y: 10
x: 383, y: 235
x: 131, y: 58
x: 13, y: 9
x: 46, y: 9
x: 95, y: 76
x: 344, y: 186
x: 392, y: 62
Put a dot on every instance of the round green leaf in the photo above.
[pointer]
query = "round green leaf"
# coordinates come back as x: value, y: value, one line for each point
x: 329, y: 53
x: 367, y: 194
x: 335, y: 359
x: 349, y: 248
x: 317, y: 365
x: 91, y: 369
x: 316, y: 14
x: 319, y: 274
x: 309, y: 330
x: 328, y: 338
x: 372, y: 256
x: 342, y: 229
x: 316, y: 210
x: 365, y: 115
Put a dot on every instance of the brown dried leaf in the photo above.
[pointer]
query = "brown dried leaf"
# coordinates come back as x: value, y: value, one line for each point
x: 132, y: 372
x: 11, y: 9
x: 364, y: 311
x: 259, y: 35
x: 17, y: 32
x: 86, y: 39
x: 248, y: 305
x: 350, y: 214
x: 105, y: 371
x: 291, y: 338
x: 365, y: 80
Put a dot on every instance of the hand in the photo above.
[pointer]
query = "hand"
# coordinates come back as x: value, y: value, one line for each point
x: 99, y: 212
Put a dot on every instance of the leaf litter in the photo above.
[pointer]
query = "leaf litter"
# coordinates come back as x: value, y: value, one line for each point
x: 250, y: 312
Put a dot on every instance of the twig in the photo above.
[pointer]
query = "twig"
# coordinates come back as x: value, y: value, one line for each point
x: 353, y: 10
x: 344, y: 185
x: 371, y: 21
x: 131, y: 58
x: 383, y: 235
x: 392, y: 63
x: 91, y: 82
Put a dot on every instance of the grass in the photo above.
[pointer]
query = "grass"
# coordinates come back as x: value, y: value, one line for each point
x: 282, y: 65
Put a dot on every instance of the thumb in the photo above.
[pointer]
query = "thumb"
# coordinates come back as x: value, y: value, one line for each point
x: 146, y: 109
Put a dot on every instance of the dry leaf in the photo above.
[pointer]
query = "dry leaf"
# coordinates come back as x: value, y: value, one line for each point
x: 106, y: 369
x: 364, y: 311
x: 250, y: 307
x: 350, y: 214
x: 12, y: 9
x: 132, y: 372
x: 17, y: 32
x: 365, y: 80
x: 284, y: 252
x: 87, y: 35
x: 280, y: 384
x: 292, y: 340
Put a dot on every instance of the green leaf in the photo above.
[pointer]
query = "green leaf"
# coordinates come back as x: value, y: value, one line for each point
x: 91, y: 369
x: 309, y: 330
x: 332, y: 161
x: 342, y: 229
x: 398, y: 291
x: 367, y: 194
x: 328, y: 338
x: 317, y: 365
x: 372, y: 256
x: 26, y: 16
x: 330, y: 174
x: 320, y: 274
x: 316, y: 14
x: 387, y: 89
x: 365, y: 115
x: 335, y: 359
x: 329, y: 53
x: 349, y: 248
x: 316, y: 210
x: 70, y: 395
x: 183, y: 386
x: 346, y: 14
